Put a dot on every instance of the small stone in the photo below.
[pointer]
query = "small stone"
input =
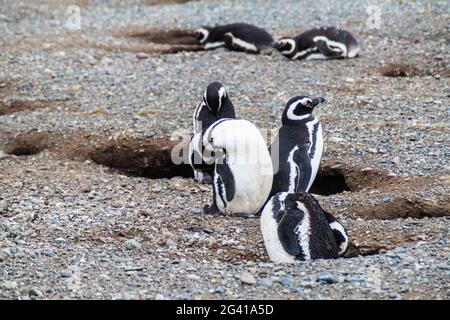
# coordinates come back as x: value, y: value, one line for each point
x: 157, y: 189
x: 171, y: 243
x: 219, y: 290
x: 193, y: 277
x: 285, y: 281
x: 247, y: 278
x: 65, y: 274
x: 34, y: 293
x: 387, y: 199
x: 3, y: 206
x: 133, y: 244
x: 326, y: 277
x: 372, y: 150
x: 396, y: 161
x: 9, y: 285
x: 142, y: 55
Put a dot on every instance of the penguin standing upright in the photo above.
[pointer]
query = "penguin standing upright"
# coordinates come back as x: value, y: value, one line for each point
x: 295, y: 227
x: 215, y: 105
x: 319, y: 44
x: 236, y: 36
x: 297, y: 149
x: 243, y: 168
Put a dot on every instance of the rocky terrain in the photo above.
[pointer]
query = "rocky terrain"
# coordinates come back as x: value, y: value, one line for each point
x: 91, y: 207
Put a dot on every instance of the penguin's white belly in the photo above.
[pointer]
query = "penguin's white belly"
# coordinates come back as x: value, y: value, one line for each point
x: 269, y: 229
x: 252, y: 187
x: 317, y: 155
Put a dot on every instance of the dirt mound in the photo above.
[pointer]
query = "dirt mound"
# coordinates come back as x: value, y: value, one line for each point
x: 400, y: 208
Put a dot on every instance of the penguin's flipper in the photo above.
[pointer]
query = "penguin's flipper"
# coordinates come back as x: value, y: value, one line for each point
x: 286, y: 231
x: 227, y: 180
x: 339, y: 232
x: 304, y: 172
x: 326, y: 50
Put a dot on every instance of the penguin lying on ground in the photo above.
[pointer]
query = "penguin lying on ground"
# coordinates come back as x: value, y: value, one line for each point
x: 297, y: 149
x: 215, y: 105
x: 242, y: 170
x: 295, y: 227
x: 236, y: 36
x: 319, y: 44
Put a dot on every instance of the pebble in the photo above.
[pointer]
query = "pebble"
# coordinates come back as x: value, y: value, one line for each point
x: 247, y: 278
x: 171, y: 243
x: 133, y: 244
x: 65, y: 274
x: 9, y: 285
x: 193, y: 277
x: 328, y: 278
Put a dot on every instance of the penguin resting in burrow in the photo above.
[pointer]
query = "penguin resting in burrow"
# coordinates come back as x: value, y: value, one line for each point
x: 319, y: 44
x: 296, y: 153
x: 295, y: 227
x: 215, y: 105
x: 242, y: 170
x: 236, y: 36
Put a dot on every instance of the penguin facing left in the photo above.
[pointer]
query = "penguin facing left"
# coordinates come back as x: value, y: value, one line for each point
x: 295, y: 227
x: 215, y: 105
x: 242, y: 170
x: 297, y: 149
x: 236, y: 36
x: 319, y: 44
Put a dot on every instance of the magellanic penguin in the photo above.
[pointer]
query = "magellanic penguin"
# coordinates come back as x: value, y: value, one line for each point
x: 236, y: 36
x: 295, y: 227
x: 243, y: 167
x: 215, y: 105
x: 297, y: 149
x: 319, y: 44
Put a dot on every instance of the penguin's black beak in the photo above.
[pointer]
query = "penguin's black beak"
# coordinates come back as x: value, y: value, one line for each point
x: 316, y: 101
x: 192, y: 34
x: 276, y: 44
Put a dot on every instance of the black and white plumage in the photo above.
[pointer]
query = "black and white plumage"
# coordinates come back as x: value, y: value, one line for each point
x: 215, y: 105
x: 243, y: 168
x: 295, y: 227
x: 236, y: 36
x: 297, y: 149
x: 319, y: 44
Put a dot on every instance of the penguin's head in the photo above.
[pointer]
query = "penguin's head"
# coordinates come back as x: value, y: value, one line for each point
x: 215, y: 96
x: 286, y: 46
x: 300, y: 108
x: 200, y: 34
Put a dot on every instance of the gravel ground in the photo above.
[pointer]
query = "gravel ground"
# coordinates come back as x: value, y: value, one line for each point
x: 76, y: 229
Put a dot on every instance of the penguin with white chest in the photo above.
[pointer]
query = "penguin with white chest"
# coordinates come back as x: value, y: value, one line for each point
x: 236, y: 36
x: 242, y: 170
x: 297, y: 149
x: 215, y: 105
x: 319, y: 44
x: 295, y: 227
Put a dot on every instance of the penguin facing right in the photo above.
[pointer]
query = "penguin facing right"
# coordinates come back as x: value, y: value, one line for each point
x: 215, y: 105
x: 319, y: 44
x: 297, y: 149
x: 295, y: 227
x: 236, y: 37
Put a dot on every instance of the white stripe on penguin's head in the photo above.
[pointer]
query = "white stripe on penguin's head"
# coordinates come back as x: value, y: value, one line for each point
x: 201, y: 35
x: 290, y: 113
x: 222, y: 94
x: 288, y: 43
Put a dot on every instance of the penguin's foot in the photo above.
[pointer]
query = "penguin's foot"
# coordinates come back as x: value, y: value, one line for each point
x: 210, y: 209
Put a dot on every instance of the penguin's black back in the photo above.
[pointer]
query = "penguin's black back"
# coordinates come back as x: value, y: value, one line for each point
x: 247, y: 32
x: 305, y: 40
x: 288, y: 137
x: 322, y: 243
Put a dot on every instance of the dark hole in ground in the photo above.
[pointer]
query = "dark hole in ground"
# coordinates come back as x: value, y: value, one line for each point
x: 329, y: 182
x: 30, y: 143
x: 139, y: 157
x: 399, y: 70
